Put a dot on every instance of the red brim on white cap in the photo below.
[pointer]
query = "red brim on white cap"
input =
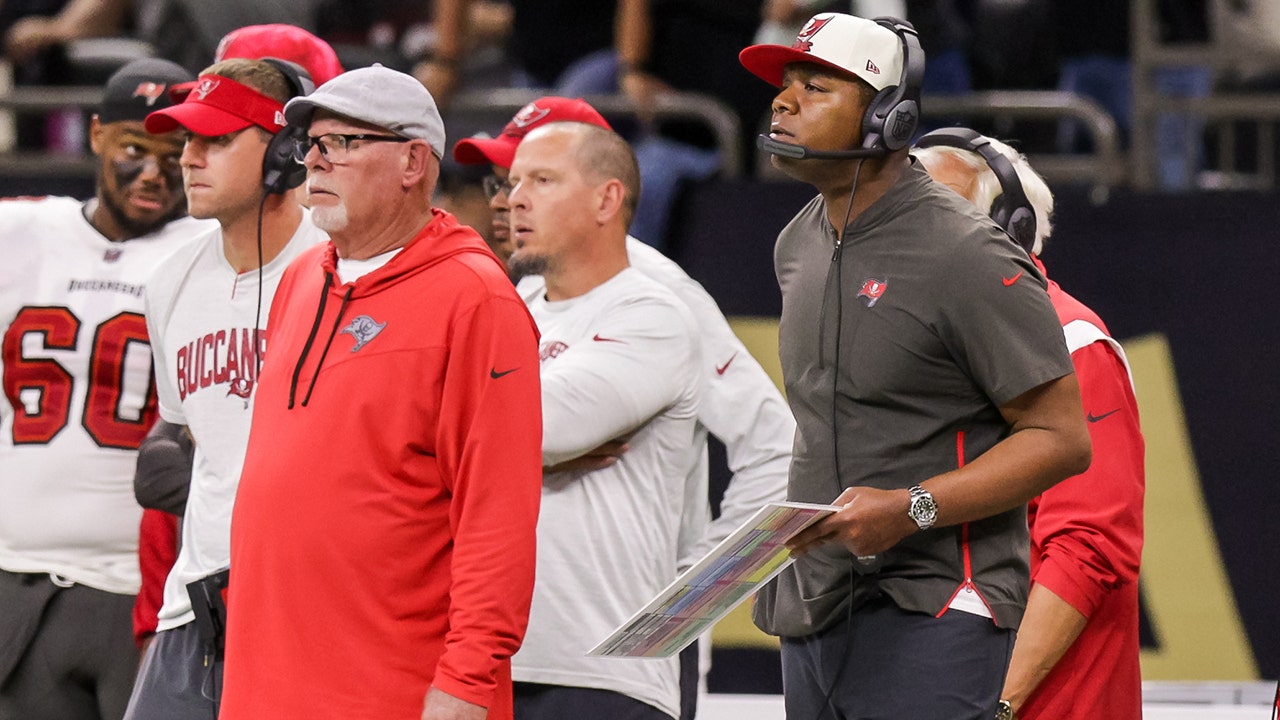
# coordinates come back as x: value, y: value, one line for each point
x: 500, y: 151
x: 768, y: 62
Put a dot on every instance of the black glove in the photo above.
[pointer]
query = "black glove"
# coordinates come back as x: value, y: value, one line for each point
x: 163, y: 474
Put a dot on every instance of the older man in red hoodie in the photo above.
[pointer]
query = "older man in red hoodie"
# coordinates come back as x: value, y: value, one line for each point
x: 382, y: 542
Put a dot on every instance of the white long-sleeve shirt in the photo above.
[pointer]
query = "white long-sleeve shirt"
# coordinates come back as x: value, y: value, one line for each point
x: 740, y: 406
x: 621, y: 358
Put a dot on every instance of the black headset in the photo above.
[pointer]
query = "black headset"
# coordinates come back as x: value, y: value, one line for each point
x: 1011, y: 209
x: 280, y: 172
x: 892, y: 115
x: 891, y: 118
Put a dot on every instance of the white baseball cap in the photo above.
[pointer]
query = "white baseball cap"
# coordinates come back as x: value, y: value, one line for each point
x: 850, y: 44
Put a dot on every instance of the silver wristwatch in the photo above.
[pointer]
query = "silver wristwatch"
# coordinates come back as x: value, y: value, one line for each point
x: 923, y: 509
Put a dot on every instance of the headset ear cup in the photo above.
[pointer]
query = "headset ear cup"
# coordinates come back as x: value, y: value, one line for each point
x: 999, y: 211
x: 280, y: 172
x: 1022, y: 226
x: 874, y: 118
x: 900, y: 124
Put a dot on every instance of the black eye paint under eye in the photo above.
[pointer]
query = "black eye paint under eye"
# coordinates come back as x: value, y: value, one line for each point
x: 126, y: 171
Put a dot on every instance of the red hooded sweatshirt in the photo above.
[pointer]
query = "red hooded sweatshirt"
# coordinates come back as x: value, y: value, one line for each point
x: 1086, y: 539
x: 383, y: 534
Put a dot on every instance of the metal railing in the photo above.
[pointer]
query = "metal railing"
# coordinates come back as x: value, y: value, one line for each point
x: 1103, y: 169
x: 499, y: 105
x: 494, y: 106
x: 1220, y: 111
x: 40, y: 99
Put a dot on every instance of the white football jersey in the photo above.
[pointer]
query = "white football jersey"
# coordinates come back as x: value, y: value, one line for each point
x: 78, y: 390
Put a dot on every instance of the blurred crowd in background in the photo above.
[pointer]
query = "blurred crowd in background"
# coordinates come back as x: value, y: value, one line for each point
x: 641, y: 49
x: 578, y: 48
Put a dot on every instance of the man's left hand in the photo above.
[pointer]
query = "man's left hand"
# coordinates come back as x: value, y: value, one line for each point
x: 869, y: 522
x: 440, y: 705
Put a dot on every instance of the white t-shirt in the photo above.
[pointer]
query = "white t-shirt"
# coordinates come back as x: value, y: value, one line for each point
x: 71, y: 305
x: 623, y: 356
x: 740, y: 406
x: 201, y: 316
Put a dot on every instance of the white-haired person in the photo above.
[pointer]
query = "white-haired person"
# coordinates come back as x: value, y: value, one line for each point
x: 1076, y: 655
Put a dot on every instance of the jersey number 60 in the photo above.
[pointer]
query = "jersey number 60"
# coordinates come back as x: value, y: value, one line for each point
x: 55, y: 385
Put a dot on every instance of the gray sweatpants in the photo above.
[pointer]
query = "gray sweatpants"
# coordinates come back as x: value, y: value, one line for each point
x: 66, y: 653
x: 174, y: 682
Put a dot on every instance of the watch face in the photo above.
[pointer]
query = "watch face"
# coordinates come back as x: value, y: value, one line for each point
x: 924, y: 510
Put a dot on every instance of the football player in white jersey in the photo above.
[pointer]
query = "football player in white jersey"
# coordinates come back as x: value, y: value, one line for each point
x: 207, y: 314
x: 741, y: 406
x: 78, y: 399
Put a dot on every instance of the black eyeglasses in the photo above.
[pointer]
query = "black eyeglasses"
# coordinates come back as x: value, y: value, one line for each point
x: 334, y: 146
x: 494, y: 185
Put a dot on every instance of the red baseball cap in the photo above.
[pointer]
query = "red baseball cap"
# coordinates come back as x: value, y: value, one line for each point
x: 219, y: 105
x: 501, y: 150
x: 286, y: 42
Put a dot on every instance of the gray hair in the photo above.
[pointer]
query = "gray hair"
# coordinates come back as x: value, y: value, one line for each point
x: 986, y: 186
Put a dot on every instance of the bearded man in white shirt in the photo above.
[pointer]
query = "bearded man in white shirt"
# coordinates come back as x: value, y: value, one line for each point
x: 619, y: 357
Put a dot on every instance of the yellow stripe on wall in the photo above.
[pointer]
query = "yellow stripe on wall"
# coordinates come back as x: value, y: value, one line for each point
x: 760, y: 335
x: 1185, y: 586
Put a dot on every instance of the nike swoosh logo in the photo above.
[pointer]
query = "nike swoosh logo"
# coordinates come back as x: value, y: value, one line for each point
x: 493, y: 372
x: 720, y: 369
x: 1095, y: 418
x: 601, y: 338
x: 1010, y: 281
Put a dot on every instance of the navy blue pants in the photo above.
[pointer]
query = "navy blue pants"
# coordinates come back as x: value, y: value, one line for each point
x: 690, y: 675
x: 887, y: 664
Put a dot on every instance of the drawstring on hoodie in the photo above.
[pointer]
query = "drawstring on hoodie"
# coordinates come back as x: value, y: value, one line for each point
x: 306, y: 348
x: 325, y: 352
x: 426, y: 249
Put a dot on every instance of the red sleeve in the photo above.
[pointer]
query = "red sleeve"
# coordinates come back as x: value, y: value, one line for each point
x: 489, y: 447
x: 157, y: 551
x: 1088, y: 528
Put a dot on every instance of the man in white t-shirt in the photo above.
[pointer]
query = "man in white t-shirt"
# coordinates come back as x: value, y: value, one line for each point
x: 207, y: 310
x: 78, y: 400
x: 740, y: 404
x: 619, y: 357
